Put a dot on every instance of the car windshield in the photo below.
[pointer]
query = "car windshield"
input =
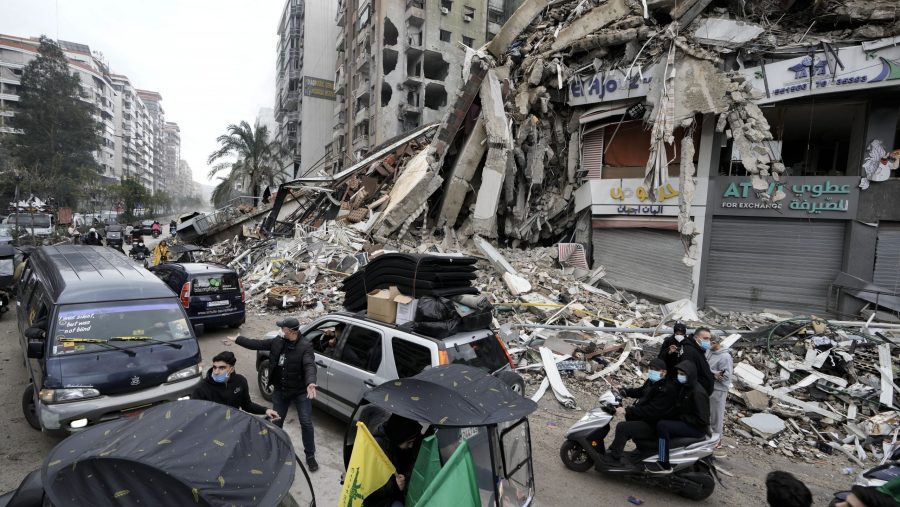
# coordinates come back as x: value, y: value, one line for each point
x: 216, y: 283
x: 39, y: 220
x: 105, y: 326
x: 484, y: 353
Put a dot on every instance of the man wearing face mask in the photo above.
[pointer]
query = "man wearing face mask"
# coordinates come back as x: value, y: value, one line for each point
x: 689, y: 417
x: 223, y: 385
x: 292, y: 372
x: 670, y: 351
x: 656, y: 398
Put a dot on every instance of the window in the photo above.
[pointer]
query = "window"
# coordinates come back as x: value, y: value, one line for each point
x: 362, y: 349
x: 410, y: 358
x: 468, y: 41
x: 325, y: 337
x: 468, y: 14
x: 495, y: 16
x: 214, y: 284
x: 445, y: 36
x: 446, y: 5
x: 485, y: 353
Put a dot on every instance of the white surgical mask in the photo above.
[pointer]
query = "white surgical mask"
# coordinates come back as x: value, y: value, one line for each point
x: 682, y: 379
x: 679, y: 337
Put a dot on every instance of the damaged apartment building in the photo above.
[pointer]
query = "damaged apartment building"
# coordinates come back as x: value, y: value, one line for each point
x: 738, y: 154
x: 399, y: 63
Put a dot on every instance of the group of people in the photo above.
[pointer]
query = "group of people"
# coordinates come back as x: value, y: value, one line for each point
x: 683, y: 396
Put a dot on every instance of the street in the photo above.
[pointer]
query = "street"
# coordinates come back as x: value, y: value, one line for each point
x: 22, y: 449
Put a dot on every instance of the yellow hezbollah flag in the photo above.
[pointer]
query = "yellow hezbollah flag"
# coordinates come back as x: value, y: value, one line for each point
x: 368, y: 470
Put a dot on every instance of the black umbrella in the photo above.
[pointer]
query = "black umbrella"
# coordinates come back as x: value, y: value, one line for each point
x: 452, y: 395
x: 181, y: 453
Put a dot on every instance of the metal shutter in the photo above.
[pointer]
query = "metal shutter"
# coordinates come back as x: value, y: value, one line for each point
x: 645, y: 261
x: 887, y: 257
x: 772, y: 263
x: 592, y: 154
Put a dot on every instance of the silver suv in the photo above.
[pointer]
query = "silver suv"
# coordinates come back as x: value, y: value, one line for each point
x: 354, y: 354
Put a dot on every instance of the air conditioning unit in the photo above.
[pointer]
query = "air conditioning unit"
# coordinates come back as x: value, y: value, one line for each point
x: 445, y: 10
x: 467, y: 18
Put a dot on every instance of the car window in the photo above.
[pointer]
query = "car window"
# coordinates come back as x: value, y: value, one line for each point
x: 409, y: 358
x: 216, y: 283
x: 361, y: 348
x: 484, y: 353
x: 326, y: 336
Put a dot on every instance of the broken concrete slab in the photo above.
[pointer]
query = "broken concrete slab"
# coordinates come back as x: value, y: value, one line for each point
x: 411, y: 191
x: 755, y: 400
x: 484, y: 218
x: 764, y: 425
x: 514, y: 26
x: 725, y: 32
x: 593, y: 20
x: 459, y: 180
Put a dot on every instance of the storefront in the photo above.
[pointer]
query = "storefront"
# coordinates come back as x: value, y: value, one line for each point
x: 783, y: 254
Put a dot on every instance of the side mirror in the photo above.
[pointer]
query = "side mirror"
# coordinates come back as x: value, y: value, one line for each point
x: 34, y: 333
x: 35, y: 349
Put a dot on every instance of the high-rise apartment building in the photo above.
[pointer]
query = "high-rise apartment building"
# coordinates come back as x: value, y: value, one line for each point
x: 304, y: 92
x: 171, y: 158
x: 156, y: 147
x: 399, y: 64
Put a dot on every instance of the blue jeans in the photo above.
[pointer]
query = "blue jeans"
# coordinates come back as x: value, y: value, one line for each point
x: 281, y: 402
x: 672, y: 429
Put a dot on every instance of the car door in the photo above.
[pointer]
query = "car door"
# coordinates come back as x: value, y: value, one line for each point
x: 358, y: 366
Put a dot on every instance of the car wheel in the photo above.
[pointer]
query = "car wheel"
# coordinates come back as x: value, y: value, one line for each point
x: 29, y: 409
x: 262, y: 378
x: 513, y: 380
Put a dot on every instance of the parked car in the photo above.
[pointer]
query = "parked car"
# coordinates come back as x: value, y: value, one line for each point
x: 102, y: 339
x: 212, y: 294
x: 369, y: 352
x: 147, y: 227
x: 38, y: 224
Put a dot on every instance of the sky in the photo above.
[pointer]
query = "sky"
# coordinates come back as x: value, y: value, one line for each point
x: 213, y: 61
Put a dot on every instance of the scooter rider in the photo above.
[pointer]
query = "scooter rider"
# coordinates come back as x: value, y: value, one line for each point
x: 689, y: 418
x: 679, y: 347
x: 140, y: 248
x: 656, y: 399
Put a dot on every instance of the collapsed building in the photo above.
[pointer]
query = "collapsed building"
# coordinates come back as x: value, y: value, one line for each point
x: 739, y: 155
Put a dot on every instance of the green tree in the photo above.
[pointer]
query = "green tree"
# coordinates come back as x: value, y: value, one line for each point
x: 224, y: 190
x: 59, y: 133
x: 255, y: 158
x: 131, y: 193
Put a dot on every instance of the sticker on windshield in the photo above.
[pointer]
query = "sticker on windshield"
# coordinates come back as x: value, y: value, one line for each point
x: 75, y: 324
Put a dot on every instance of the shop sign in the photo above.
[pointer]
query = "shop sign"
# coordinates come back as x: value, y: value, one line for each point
x: 833, y: 197
x: 318, y: 88
x: 611, y: 85
x: 629, y: 196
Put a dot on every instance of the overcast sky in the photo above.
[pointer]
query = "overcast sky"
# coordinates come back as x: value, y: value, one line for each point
x: 213, y: 61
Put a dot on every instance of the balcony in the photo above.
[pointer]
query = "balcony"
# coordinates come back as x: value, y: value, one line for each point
x: 361, y: 115
x: 415, y: 12
x: 362, y: 62
x: 339, y: 41
x: 361, y: 141
x: 362, y: 89
x: 341, y: 16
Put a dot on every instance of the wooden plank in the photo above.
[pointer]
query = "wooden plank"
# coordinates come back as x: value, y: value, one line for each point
x: 809, y: 407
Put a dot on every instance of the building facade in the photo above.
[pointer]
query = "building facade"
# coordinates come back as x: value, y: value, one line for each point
x: 823, y: 239
x: 304, y: 95
x: 399, y: 62
x: 133, y: 134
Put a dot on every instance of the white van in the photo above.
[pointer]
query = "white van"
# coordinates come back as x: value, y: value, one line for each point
x: 38, y: 224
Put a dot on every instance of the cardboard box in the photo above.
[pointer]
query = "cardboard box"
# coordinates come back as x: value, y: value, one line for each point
x: 380, y: 305
x: 406, y: 308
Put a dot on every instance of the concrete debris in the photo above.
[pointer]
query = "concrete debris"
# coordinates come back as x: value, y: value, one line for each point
x: 764, y: 425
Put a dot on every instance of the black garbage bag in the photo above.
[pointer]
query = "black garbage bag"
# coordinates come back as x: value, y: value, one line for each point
x: 438, y: 330
x: 435, y: 309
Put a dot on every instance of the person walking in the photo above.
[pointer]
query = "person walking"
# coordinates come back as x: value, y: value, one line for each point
x: 292, y: 372
x: 721, y: 365
x: 224, y: 385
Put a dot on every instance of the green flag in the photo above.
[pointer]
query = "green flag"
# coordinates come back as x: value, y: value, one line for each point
x: 428, y: 464
x: 454, y: 485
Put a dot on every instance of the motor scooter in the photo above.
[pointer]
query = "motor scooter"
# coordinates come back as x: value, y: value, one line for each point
x: 693, y: 471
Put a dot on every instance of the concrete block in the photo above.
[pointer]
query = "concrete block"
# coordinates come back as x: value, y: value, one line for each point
x: 514, y: 26
x: 595, y: 19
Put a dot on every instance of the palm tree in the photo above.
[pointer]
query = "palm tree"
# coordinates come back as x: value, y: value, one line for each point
x: 224, y: 190
x: 255, y: 158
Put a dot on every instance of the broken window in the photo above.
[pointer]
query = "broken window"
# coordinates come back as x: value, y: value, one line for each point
x: 389, y: 60
x: 468, y: 41
x: 435, y: 67
x: 445, y: 36
x: 468, y: 13
x: 413, y: 66
x: 412, y: 98
x: 414, y: 37
x: 446, y: 5
x: 626, y: 148
x: 386, y: 93
x: 390, y: 33
x: 435, y: 96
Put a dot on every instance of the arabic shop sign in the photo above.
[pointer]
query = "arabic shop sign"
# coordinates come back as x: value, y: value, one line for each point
x: 611, y: 85
x: 829, y: 197
x: 629, y: 196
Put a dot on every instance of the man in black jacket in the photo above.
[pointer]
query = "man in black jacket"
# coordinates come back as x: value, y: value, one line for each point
x: 678, y: 348
x: 223, y: 385
x: 689, y: 418
x: 292, y: 372
x: 656, y: 398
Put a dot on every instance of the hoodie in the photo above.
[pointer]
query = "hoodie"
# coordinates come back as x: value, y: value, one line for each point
x: 688, y: 350
x: 692, y: 401
x: 720, y: 361
x: 234, y: 392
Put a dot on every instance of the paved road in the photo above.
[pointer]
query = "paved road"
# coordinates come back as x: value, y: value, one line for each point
x: 22, y: 448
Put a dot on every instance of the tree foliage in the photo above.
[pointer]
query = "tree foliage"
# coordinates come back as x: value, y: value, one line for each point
x: 59, y: 133
x: 255, y: 159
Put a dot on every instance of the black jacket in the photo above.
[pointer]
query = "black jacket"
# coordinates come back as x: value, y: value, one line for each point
x: 234, y: 392
x: 403, y: 461
x: 688, y: 350
x: 299, y: 368
x: 691, y: 401
x: 656, y: 401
